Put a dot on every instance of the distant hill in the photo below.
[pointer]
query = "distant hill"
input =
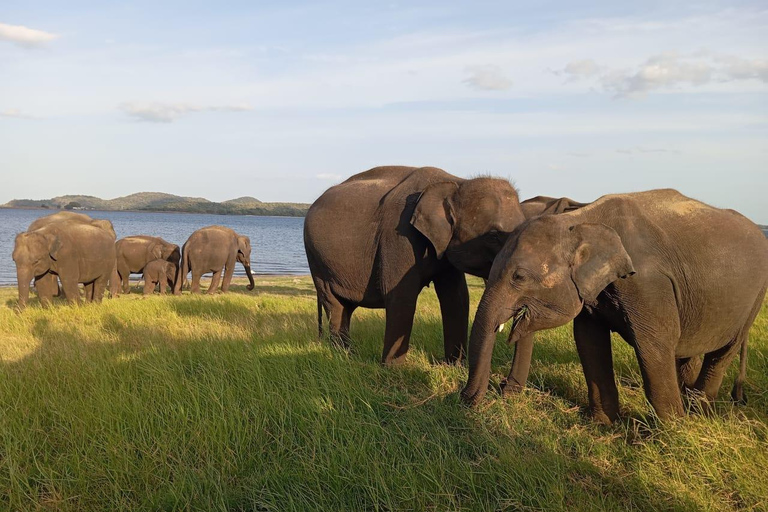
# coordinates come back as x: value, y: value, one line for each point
x: 159, y: 202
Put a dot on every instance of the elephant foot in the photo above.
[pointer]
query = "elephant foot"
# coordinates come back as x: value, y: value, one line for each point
x: 737, y: 394
x: 510, y: 387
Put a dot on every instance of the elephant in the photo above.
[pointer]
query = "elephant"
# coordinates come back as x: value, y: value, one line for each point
x: 377, y: 239
x: 134, y: 252
x: 159, y: 272
x: 47, y: 285
x: 674, y: 277
x: 212, y: 249
x: 543, y: 205
x: 76, y: 252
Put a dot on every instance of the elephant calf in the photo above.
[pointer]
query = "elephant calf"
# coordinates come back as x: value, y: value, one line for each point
x: 134, y: 252
x: 674, y: 277
x: 215, y: 249
x: 159, y: 272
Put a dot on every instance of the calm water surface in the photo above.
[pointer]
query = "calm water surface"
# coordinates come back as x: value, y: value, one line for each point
x: 277, y: 242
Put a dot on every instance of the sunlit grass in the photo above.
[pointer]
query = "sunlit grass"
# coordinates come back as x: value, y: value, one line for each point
x: 230, y: 402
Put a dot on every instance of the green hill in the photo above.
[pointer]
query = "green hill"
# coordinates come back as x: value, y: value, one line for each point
x: 160, y: 202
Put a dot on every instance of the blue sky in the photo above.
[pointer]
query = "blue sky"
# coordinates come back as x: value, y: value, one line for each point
x: 281, y: 100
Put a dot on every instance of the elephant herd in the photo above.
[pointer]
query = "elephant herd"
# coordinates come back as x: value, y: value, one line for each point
x: 677, y: 279
x: 75, y: 249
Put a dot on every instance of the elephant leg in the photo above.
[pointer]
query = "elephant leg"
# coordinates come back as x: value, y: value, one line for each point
x: 162, y: 283
x: 47, y: 286
x: 98, y: 288
x: 149, y: 286
x: 196, y: 275
x: 593, y: 342
x: 451, y: 289
x: 714, y: 367
x: 397, y: 334
x: 125, y: 274
x: 658, y: 367
x: 89, y: 291
x: 215, y: 279
x: 521, y: 366
x: 688, y: 369
x: 71, y: 290
x: 229, y: 271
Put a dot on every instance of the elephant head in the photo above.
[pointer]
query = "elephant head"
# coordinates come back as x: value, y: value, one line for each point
x: 34, y: 254
x: 468, y: 222
x: 244, y: 257
x: 541, y: 279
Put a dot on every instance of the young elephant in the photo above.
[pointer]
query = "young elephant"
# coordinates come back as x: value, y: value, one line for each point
x: 694, y: 280
x: 212, y: 249
x: 134, y: 252
x: 159, y: 272
x: 76, y: 252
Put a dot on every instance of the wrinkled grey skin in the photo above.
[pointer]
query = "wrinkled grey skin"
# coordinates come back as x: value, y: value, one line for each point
x: 674, y: 277
x: 543, y: 205
x: 213, y: 249
x: 134, y: 252
x: 377, y: 239
x: 47, y: 285
x: 521, y: 361
x: 74, y: 251
x: 159, y: 272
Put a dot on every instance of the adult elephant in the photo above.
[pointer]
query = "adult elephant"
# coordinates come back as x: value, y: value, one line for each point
x: 134, y: 252
x: 76, y: 252
x: 47, y: 284
x: 213, y: 249
x: 695, y: 279
x: 379, y: 237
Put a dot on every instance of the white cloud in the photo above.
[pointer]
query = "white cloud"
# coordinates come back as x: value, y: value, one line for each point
x: 328, y: 176
x: 169, y: 112
x: 487, y: 78
x: 24, y: 36
x: 14, y: 112
x: 581, y: 69
x: 669, y: 71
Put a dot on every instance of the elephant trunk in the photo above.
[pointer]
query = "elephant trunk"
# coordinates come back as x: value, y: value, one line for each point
x: 250, y: 276
x: 481, y: 343
x: 23, y: 277
x: 184, y: 271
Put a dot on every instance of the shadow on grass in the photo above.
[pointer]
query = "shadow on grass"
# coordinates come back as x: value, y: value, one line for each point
x: 196, y: 421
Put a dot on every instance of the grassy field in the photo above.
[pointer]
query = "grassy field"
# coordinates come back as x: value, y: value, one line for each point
x: 231, y: 403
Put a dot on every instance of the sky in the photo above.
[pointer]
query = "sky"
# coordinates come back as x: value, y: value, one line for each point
x: 280, y: 100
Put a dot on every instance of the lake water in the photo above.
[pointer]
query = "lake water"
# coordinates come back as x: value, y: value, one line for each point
x: 277, y: 242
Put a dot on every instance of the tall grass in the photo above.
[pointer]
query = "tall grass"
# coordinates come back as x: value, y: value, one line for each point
x: 230, y: 402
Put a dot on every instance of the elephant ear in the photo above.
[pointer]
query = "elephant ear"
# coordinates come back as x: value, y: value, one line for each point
x: 155, y: 251
x: 242, y: 244
x: 54, y: 246
x: 598, y: 259
x: 433, y: 216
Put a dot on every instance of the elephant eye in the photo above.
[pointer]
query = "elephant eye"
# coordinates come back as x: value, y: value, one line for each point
x: 519, y: 276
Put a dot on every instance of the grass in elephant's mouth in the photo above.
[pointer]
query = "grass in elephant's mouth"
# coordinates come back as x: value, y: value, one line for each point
x: 230, y: 402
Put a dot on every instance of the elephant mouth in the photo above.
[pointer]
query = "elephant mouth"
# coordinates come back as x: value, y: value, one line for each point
x: 518, y: 318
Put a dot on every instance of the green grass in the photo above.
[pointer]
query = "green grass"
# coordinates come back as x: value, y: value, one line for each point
x: 230, y: 403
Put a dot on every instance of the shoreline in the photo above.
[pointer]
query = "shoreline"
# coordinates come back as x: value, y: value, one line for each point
x: 56, y: 210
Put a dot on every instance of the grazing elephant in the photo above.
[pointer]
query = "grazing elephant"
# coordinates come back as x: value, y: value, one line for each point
x: 76, y: 252
x: 378, y: 238
x: 212, y: 249
x: 674, y: 277
x: 134, y: 252
x: 159, y: 272
x: 47, y: 285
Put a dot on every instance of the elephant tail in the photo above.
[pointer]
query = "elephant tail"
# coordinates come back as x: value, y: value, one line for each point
x: 319, y: 317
